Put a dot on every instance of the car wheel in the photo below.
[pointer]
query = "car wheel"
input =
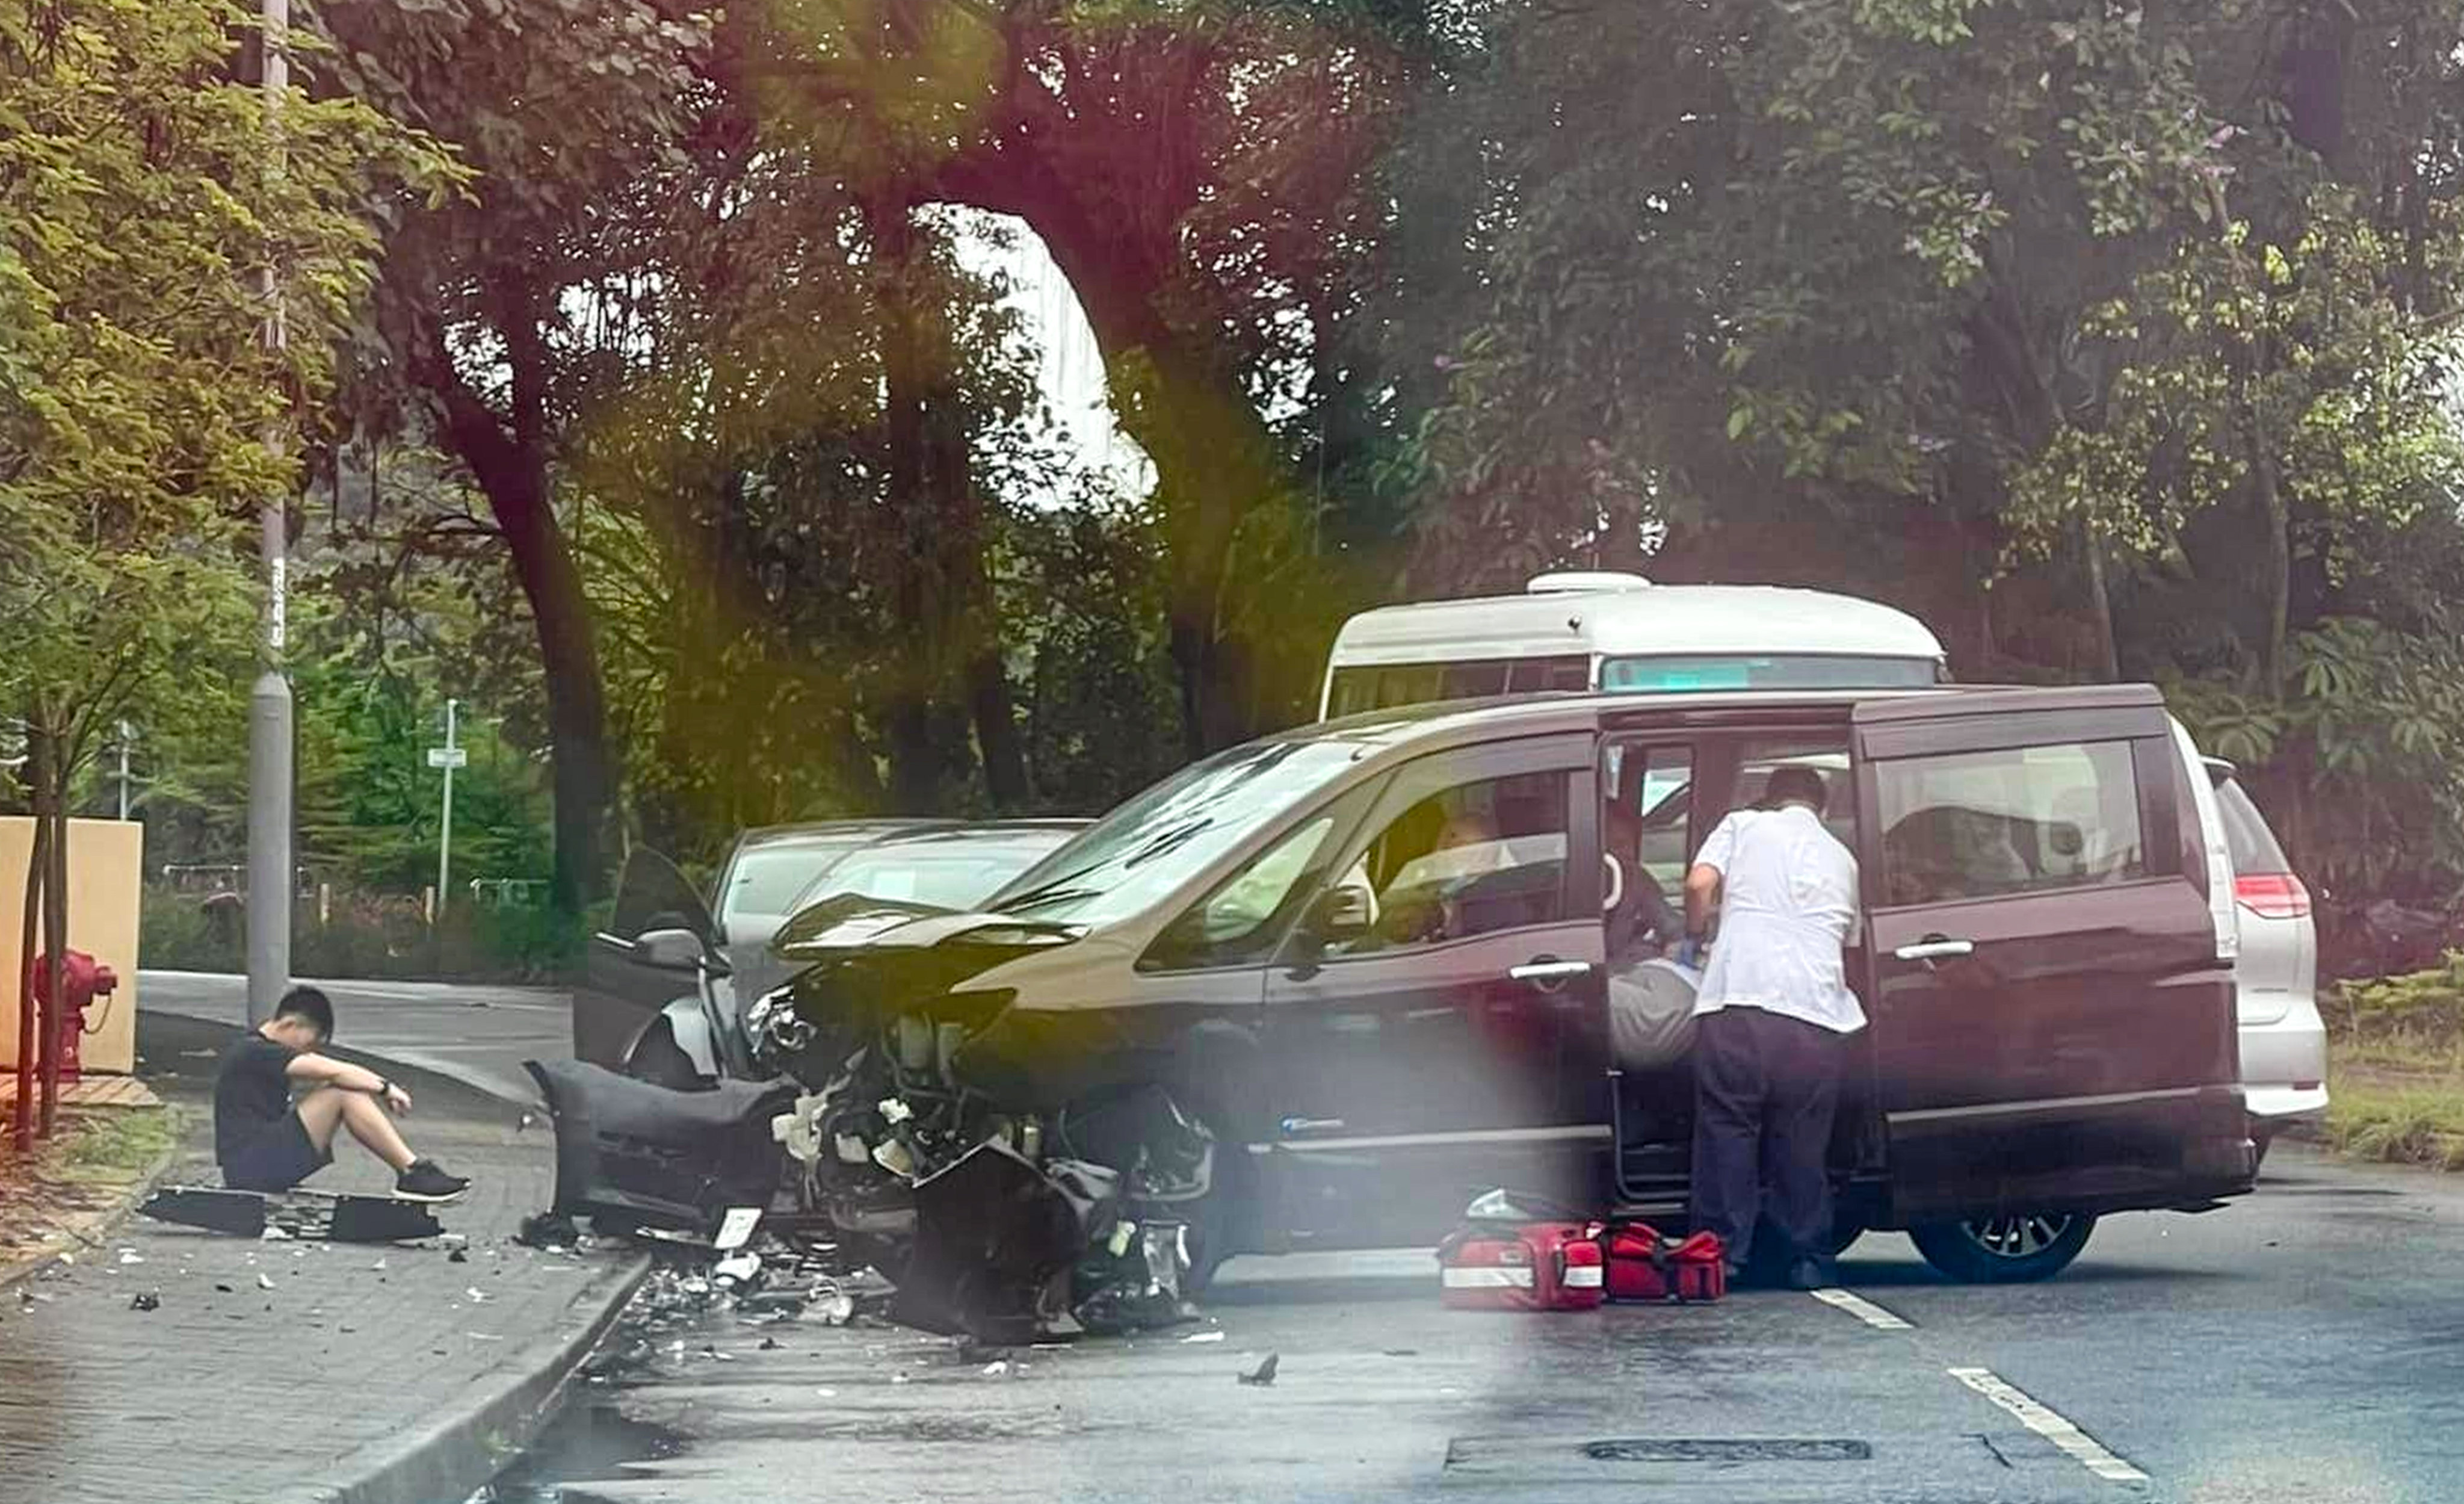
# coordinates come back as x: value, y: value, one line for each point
x: 2011, y: 1250
x: 1214, y: 1223
x: 1216, y: 1220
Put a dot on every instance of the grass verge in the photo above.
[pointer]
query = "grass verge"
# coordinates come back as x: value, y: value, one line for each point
x: 61, y: 1195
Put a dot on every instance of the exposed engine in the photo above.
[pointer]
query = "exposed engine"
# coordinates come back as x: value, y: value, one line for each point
x: 1073, y: 1209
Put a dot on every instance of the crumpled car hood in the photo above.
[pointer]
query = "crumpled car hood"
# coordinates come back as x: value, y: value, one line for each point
x: 875, y: 958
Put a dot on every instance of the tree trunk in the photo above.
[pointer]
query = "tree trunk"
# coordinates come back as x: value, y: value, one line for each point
x: 997, y: 738
x: 56, y: 938
x: 29, y: 938
x: 2278, y: 521
x: 511, y: 472
x: 577, y: 707
x: 916, y: 754
x: 2099, y: 600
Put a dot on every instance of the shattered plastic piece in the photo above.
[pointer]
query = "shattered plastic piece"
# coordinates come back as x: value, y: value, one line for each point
x: 1264, y: 1375
x: 737, y: 1268
x: 378, y: 1265
x: 1202, y: 1336
x: 475, y: 1295
x: 737, y: 1229
x: 543, y: 1229
x: 131, y: 1256
x: 899, y: 1378
x: 145, y: 1300
x: 1139, y: 1286
x: 896, y: 1110
x: 272, y: 1234
x: 456, y: 1256
x: 769, y: 1344
x: 997, y: 1367
x: 991, y: 1233
x: 263, y: 1282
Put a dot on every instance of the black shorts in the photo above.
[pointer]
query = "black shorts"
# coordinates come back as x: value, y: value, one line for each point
x: 275, y: 1158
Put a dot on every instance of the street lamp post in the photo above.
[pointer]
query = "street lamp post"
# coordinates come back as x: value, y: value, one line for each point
x: 448, y: 757
x: 270, y: 708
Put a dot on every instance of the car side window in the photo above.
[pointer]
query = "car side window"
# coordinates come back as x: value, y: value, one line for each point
x: 1978, y: 825
x: 1469, y: 860
x: 1241, y: 920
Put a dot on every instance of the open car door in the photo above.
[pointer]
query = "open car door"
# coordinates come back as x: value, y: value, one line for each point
x: 2052, y: 1023
x: 626, y: 983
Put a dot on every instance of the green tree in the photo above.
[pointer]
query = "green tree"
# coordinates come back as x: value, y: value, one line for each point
x: 135, y: 394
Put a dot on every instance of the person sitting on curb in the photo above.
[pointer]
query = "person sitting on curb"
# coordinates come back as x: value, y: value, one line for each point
x: 266, y: 1142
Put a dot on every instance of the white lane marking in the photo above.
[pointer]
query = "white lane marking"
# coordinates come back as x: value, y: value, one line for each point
x: 1863, y: 1310
x: 2084, y: 1450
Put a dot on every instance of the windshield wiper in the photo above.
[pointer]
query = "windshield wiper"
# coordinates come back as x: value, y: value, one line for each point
x: 1165, y: 842
x: 1049, y: 893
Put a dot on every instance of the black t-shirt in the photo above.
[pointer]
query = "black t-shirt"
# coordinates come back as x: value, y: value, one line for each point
x: 250, y: 1090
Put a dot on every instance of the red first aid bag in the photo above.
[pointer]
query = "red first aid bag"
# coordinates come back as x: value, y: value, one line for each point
x: 1534, y: 1265
x: 1644, y: 1265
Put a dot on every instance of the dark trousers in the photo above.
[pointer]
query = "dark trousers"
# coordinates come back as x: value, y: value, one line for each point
x: 1763, y: 1089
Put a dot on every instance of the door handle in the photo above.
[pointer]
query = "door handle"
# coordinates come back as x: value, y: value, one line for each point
x: 1547, y: 971
x: 1935, y: 948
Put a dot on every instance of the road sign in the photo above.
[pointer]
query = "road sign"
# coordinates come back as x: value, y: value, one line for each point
x: 448, y: 757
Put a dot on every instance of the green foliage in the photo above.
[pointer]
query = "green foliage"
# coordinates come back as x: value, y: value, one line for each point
x: 135, y: 393
x: 368, y: 938
x: 2368, y: 735
x: 2419, y: 1006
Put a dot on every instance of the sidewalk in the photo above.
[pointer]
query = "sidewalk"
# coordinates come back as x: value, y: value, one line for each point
x: 363, y: 1372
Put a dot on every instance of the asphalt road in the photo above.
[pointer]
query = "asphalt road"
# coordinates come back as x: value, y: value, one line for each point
x: 479, y: 1035
x: 2302, y: 1344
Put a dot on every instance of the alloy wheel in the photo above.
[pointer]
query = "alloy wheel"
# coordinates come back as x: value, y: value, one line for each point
x: 2019, y: 1236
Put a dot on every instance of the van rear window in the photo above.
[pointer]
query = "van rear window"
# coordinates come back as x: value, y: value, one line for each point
x: 1668, y: 672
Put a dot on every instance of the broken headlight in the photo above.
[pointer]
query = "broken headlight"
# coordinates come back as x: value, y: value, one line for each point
x: 774, y: 1026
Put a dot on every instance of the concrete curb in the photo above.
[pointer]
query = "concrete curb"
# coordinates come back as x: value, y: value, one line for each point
x: 449, y: 1457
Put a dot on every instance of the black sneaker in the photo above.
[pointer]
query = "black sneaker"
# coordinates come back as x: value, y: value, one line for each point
x: 425, y: 1181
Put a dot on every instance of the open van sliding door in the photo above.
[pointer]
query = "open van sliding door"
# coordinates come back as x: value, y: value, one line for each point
x: 2053, y: 1028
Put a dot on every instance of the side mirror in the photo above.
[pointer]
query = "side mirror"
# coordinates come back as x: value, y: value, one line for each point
x: 675, y: 950
x: 1341, y: 914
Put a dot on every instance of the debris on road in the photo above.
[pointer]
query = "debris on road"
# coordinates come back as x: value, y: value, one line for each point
x: 1264, y: 1374
x: 145, y: 1300
x: 263, y: 1280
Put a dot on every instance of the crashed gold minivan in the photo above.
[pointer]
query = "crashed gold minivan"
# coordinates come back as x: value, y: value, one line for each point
x: 1322, y: 990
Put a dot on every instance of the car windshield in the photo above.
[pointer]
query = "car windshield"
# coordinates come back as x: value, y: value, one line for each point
x: 1150, y: 846
x: 765, y: 879
x: 942, y: 874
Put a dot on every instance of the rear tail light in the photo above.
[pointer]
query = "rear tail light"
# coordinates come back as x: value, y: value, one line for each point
x: 2271, y: 895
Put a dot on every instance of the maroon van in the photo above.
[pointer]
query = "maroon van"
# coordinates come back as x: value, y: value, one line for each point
x: 1320, y: 989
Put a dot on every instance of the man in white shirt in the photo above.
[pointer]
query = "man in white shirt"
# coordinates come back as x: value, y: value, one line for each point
x: 1772, y: 1021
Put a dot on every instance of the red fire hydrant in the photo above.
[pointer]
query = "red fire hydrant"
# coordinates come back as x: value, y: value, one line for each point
x: 82, y: 979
